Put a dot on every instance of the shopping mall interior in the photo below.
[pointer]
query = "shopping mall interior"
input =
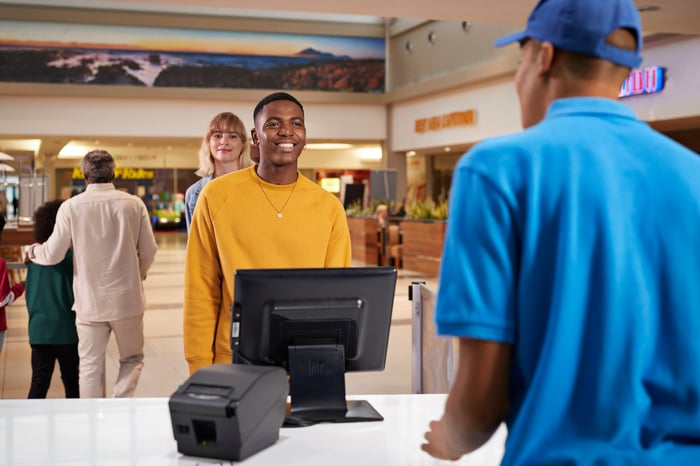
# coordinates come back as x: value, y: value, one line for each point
x: 430, y: 52
x: 437, y: 59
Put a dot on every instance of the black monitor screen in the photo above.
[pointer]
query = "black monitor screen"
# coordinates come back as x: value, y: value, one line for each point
x: 317, y: 323
x: 354, y: 194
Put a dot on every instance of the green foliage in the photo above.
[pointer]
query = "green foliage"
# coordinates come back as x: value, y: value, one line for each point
x: 418, y: 210
x: 356, y: 210
x: 427, y: 210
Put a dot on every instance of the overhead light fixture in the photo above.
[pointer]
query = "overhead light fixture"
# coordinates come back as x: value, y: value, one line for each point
x: 74, y: 150
x: 411, y: 153
x: 328, y: 146
x: 432, y: 37
x: 369, y: 153
x: 4, y: 156
x: 22, y: 145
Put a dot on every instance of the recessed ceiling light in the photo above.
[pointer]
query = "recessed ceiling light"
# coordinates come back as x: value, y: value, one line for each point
x: 21, y: 145
x: 328, y: 146
x: 75, y: 150
x: 432, y: 37
x: 369, y: 153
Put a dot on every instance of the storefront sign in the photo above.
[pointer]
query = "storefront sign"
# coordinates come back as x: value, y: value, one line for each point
x: 450, y: 120
x: 332, y: 185
x: 121, y: 173
x: 647, y: 81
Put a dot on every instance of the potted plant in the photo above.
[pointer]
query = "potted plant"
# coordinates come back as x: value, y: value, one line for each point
x: 363, y: 233
x: 423, y: 234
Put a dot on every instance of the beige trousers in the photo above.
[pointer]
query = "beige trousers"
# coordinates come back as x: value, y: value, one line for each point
x: 92, y: 347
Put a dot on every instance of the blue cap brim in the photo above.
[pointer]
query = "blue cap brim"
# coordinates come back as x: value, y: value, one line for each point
x: 510, y: 38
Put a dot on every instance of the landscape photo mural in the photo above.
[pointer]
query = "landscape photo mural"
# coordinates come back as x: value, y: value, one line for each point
x: 40, y: 52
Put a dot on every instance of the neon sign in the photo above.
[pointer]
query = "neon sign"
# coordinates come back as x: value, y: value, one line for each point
x: 647, y: 81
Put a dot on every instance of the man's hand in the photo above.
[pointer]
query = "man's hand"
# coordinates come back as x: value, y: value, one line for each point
x: 437, y: 443
x: 477, y: 403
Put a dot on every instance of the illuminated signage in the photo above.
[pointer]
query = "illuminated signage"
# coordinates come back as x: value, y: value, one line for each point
x: 121, y: 173
x: 331, y: 184
x: 647, y: 81
x: 450, y: 120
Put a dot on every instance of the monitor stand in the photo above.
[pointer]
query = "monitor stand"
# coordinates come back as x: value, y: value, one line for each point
x: 317, y: 386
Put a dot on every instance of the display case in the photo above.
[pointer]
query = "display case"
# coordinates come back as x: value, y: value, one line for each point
x: 19, y: 198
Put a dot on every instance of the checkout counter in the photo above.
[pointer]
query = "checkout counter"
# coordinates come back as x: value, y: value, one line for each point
x: 138, y: 431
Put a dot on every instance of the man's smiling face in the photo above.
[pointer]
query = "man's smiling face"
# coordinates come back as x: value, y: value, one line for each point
x: 280, y: 133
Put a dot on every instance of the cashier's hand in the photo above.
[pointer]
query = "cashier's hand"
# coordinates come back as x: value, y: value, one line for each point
x: 438, y: 444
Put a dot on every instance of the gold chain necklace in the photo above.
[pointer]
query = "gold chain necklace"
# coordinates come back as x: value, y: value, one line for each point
x: 279, y: 211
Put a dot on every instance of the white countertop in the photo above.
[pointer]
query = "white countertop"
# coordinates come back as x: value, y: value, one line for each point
x: 137, y: 431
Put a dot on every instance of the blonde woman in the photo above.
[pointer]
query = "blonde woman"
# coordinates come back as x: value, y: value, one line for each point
x: 224, y: 149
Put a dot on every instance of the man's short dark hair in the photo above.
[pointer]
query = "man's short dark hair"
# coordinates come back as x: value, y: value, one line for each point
x: 45, y: 219
x: 272, y: 98
x: 98, y: 166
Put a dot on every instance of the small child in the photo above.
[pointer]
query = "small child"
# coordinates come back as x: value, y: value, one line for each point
x: 52, y: 332
x: 8, y: 293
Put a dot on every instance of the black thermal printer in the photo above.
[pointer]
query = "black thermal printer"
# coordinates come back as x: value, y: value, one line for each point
x: 229, y: 411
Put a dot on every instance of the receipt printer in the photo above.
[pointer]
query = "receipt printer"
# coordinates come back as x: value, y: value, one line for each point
x: 229, y: 411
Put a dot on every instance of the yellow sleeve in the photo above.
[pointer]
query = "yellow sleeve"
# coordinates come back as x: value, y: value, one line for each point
x: 339, y: 247
x: 202, y: 300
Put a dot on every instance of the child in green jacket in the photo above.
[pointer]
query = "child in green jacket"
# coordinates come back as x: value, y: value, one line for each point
x: 52, y: 333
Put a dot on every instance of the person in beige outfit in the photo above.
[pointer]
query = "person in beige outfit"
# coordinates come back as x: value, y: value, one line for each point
x: 113, y: 248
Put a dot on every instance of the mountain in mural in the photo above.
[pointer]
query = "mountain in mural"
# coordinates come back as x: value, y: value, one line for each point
x: 313, y: 53
x: 309, y: 69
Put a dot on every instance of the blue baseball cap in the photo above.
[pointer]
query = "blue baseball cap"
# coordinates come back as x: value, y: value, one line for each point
x: 582, y: 26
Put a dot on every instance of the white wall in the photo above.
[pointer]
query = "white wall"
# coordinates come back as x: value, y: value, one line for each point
x: 117, y: 117
x: 496, y: 105
x: 497, y: 112
x: 681, y: 96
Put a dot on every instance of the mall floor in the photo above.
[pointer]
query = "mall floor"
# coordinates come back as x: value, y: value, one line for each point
x: 165, y: 366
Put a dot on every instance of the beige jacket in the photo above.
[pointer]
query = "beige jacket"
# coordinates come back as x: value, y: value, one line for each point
x: 113, y: 248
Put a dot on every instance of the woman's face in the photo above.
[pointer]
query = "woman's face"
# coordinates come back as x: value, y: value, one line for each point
x: 225, y: 146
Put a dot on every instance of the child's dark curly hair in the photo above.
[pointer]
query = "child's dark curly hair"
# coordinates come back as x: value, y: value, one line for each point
x: 44, y: 220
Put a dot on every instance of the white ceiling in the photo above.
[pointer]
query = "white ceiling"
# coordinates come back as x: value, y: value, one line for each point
x: 671, y: 17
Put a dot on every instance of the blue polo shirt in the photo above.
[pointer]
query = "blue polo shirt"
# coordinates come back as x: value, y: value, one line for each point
x: 577, y: 241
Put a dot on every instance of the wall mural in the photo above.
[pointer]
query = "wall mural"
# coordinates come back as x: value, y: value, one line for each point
x: 38, y: 52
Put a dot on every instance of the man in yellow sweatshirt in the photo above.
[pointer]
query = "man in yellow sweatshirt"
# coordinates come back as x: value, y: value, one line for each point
x: 265, y: 216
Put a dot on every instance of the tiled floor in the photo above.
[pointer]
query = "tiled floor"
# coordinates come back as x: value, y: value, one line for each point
x: 165, y: 366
